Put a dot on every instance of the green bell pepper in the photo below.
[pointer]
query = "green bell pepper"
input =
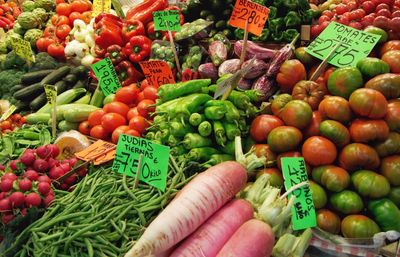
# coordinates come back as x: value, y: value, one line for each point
x: 263, y: 37
x: 273, y: 11
x: 239, y: 33
x: 309, y: 15
x: 292, y: 19
x: 277, y: 36
x: 276, y: 25
x: 291, y: 4
x: 289, y: 35
x: 385, y: 213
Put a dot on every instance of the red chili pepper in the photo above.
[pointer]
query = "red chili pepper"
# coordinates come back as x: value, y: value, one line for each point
x: 181, y: 17
x: 132, y: 28
x: 144, y: 11
x: 114, y: 52
x: 100, y: 52
x: 127, y: 73
x: 151, y: 33
x: 138, y: 48
x: 188, y: 74
x: 16, y: 11
x: 107, y: 34
x: 3, y: 24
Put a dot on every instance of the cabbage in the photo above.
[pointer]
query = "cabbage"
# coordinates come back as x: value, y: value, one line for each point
x: 28, y: 20
x: 28, y: 6
x: 48, y: 5
x: 32, y: 36
x: 41, y: 14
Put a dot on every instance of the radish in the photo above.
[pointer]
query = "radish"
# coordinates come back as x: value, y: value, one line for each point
x: 48, y: 199
x: 17, y: 199
x: 5, y: 218
x: 25, y: 184
x: 82, y: 172
x: 28, y: 158
x: 53, y: 162
x: 5, y: 205
x: 2, y: 167
x: 64, y: 186
x: 66, y: 167
x: 71, y: 180
x: 14, y: 164
x: 44, y: 188
x: 253, y: 239
x: 33, y: 199
x: 31, y: 175
x: 3, y: 195
x: 53, y: 150
x: 44, y: 178
x: 72, y: 161
x: 24, y: 212
x: 43, y: 152
x: 56, y: 172
x: 41, y: 165
x: 6, y: 185
x: 197, y: 201
x: 9, y: 175
x: 209, y: 239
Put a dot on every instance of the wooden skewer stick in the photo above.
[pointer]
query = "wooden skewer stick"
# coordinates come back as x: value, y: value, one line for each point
x: 321, y: 68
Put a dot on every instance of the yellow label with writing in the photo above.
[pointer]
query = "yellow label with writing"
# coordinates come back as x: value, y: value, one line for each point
x: 101, y: 6
x: 22, y: 48
x: 51, y: 93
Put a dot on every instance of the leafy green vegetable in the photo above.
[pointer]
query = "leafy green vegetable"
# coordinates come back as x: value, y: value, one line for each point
x: 28, y: 20
x: 32, y: 36
x: 43, y: 61
x: 13, y: 61
x: 8, y: 79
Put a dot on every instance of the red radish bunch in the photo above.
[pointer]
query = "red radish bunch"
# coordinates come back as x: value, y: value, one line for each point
x: 32, y: 188
x: 359, y: 14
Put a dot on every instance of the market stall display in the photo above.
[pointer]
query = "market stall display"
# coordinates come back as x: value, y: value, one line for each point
x: 175, y: 129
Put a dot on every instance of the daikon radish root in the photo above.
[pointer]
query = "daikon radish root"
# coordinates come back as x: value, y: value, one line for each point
x: 253, y: 239
x: 197, y: 201
x: 209, y: 239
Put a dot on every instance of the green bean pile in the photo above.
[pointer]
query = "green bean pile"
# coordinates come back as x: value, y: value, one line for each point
x: 101, y: 217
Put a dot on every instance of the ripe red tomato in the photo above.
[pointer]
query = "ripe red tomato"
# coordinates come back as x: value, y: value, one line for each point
x: 144, y: 84
x: 6, y: 125
x: 49, y: 31
x: 95, y: 117
x: 140, y: 97
x: 62, y: 31
x: 99, y: 132
x: 58, y: 20
x: 384, y: 12
x: 87, y: 16
x: 381, y: 22
x: 73, y: 16
x: 132, y: 132
x: 356, y: 25
x: 111, y: 121
x: 43, y: 43
x: 262, y: 125
x: 139, y: 123
x: 318, y: 150
x: 382, y: 6
x: 117, y: 132
x: 63, y: 9
x: 150, y: 92
x: 79, y: 6
x: 56, y: 50
x: 328, y: 13
x: 132, y: 113
x: 145, y: 107
x: 341, y: 9
x: 368, y: 6
x: 323, y: 18
x: 116, y: 107
x: 84, y: 127
x: 127, y: 95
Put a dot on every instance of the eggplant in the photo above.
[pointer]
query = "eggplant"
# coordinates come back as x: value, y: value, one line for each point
x: 229, y: 66
x: 245, y: 84
x: 257, y: 69
x: 254, y: 50
x: 265, y: 86
x: 208, y: 70
x: 218, y: 52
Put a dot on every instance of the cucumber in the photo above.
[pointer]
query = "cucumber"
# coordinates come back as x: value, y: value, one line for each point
x: 66, y: 126
x: 40, y: 101
x: 29, y: 92
x: 79, y: 84
x: 60, y: 111
x: 56, y: 75
x: 16, y: 88
x: 21, y: 106
x: 64, y: 98
x: 38, y: 118
x: 80, y: 71
x: 78, y: 114
x: 84, y: 99
x: 34, y: 76
x: 71, y: 79
x: 97, y: 98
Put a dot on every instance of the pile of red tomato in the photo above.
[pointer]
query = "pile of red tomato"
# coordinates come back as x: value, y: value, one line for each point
x: 55, y: 35
x: 15, y: 120
x: 129, y: 113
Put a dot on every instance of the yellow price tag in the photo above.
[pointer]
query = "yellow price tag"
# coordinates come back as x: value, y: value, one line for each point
x: 101, y: 6
x: 51, y: 93
x: 8, y: 113
x: 22, y: 48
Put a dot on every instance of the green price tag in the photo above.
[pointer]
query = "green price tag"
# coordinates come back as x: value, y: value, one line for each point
x: 167, y: 20
x: 106, y: 75
x: 355, y: 45
x: 22, y: 48
x: 154, y: 164
x: 303, y: 212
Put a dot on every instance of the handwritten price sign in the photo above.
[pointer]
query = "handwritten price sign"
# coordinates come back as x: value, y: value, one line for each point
x: 355, y: 45
x: 22, y: 48
x: 105, y: 73
x: 154, y: 165
x: 99, y: 152
x: 303, y: 212
x: 51, y: 93
x: 167, y: 20
x: 255, y: 14
x: 101, y: 6
x: 157, y: 72
x: 8, y: 113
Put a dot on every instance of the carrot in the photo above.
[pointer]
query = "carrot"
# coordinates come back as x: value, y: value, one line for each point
x: 197, y: 201
x: 209, y: 239
x: 253, y: 239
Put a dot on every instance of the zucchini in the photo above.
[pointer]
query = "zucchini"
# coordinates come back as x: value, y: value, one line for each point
x: 38, y: 118
x: 40, y: 101
x: 56, y: 75
x: 34, y: 76
x: 80, y: 71
x: 84, y: 99
x: 61, y: 109
x: 77, y: 114
x: 16, y: 88
x: 79, y: 84
x: 64, y: 98
x: 21, y: 106
x: 29, y: 92
x: 66, y: 126
x: 97, y: 97
x: 71, y: 79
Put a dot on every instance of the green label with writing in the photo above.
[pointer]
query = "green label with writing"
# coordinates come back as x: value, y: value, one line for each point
x: 355, y: 45
x: 303, y: 212
x: 106, y: 75
x: 154, y: 164
x: 167, y: 20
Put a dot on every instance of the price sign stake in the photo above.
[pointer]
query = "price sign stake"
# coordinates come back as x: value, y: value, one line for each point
x: 51, y: 95
x: 171, y: 41
x: 8, y: 113
x: 99, y: 152
x: 355, y: 44
x: 303, y: 212
x: 108, y: 79
x: 23, y: 49
x: 101, y: 6
x: 321, y: 68
x: 167, y: 20
x: 254, y: 13
x: 154, y: 164
x: 157, y: 72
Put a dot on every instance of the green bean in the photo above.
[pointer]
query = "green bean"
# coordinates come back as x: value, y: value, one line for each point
x: 89, y: 247
x: 57, y: 220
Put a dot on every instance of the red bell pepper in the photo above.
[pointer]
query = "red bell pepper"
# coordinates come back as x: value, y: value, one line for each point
x: 114, y: 52
x: 151, y: 33
x: 181, y: 17
x: 100, y: 52
x: 138, y: 48
x: 144, y: 11
x: 132, y: 28
x: 127, y: 73
x: 110, y: 18
x: 107, y: 34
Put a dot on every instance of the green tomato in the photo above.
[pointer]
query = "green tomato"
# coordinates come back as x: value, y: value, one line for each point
x: 370, y: 184
x: 359, y: 226
x: 318, y: 195
x: 347, y: 202
x: 371, y: 67
x: 394, y: 195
